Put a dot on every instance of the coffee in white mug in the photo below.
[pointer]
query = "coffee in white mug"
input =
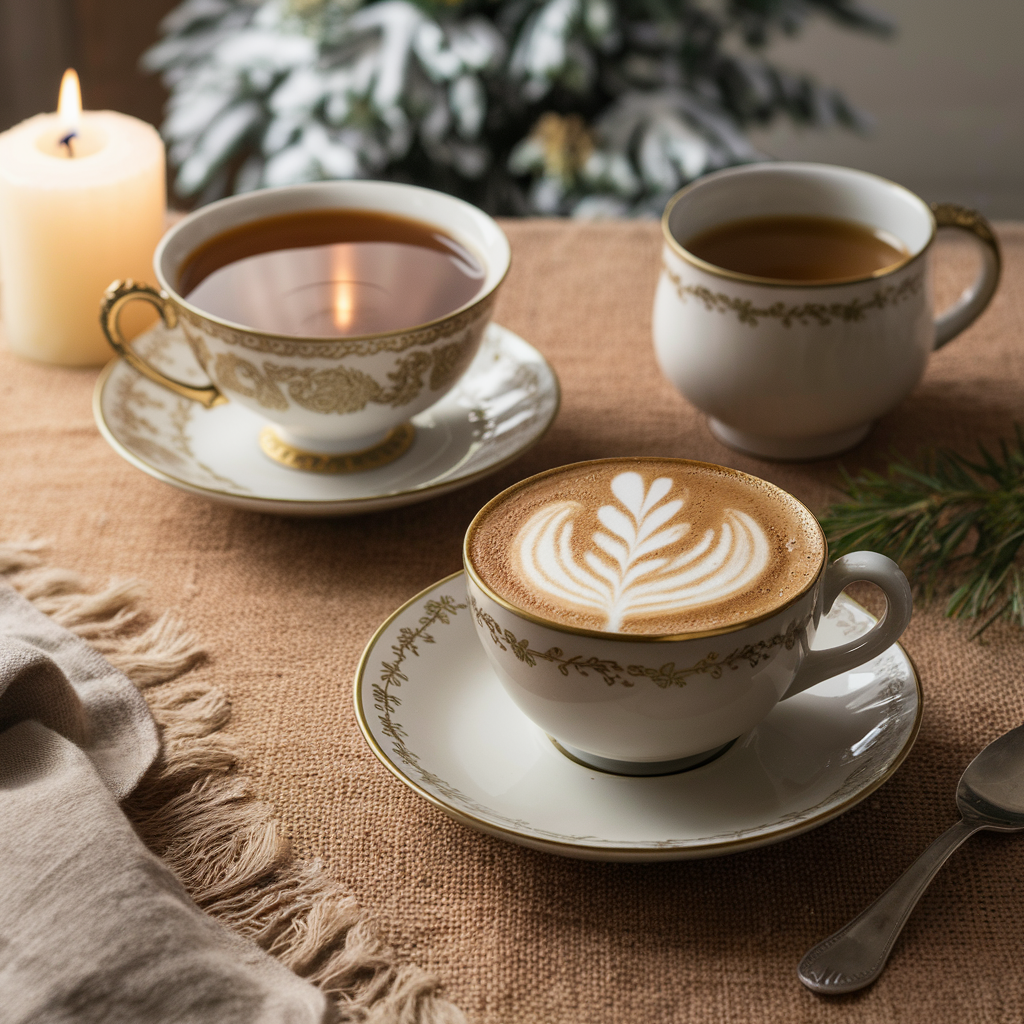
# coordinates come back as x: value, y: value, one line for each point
x: 648, y: 548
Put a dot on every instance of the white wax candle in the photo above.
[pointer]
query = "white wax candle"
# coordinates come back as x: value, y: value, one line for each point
x: 70, y: 223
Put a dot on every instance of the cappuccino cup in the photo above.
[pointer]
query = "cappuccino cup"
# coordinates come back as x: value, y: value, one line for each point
x: 797, y: 359
x: 647, y: 612
x: 334, y: 339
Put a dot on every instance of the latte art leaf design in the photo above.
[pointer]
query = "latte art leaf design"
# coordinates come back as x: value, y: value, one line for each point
x: 638, y: 567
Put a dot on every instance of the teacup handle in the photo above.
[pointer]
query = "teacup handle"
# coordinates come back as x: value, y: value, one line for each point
x: 974, y: 299
x: 871, y: 567
x: 116, y: 297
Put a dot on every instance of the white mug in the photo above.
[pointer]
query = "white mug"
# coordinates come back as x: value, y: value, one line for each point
x: 333, y: 404
x: 638, y: 704
x: 792, y: 370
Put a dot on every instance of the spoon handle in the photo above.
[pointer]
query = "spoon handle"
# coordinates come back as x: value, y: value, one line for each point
x: 854, y: 956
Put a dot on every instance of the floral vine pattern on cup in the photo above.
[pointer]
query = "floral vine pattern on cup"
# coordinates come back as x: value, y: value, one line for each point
x: 662, y: 676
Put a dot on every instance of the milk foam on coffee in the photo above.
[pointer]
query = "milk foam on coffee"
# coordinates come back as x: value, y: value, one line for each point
x: 647, y: 546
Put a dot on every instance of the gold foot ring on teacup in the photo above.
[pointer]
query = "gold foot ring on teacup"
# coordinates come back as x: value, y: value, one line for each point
x: 392, y: 447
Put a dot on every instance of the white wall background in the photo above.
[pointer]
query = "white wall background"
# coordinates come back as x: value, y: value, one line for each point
x: 947, y: 93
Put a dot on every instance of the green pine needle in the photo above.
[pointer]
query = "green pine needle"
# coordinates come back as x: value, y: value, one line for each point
x: 956, y: 526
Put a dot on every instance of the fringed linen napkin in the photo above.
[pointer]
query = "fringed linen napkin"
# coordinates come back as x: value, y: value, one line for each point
x: 93, y: 927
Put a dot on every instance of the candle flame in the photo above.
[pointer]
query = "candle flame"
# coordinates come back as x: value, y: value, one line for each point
x: 69, y: 106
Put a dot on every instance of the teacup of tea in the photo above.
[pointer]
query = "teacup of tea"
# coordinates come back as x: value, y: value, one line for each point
x: 336, y: 311
x: 646, y: 612
x: 794, y: 305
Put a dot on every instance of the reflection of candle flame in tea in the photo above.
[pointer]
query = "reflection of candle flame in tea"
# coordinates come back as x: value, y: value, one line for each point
x: 344, y: 305
x: 344, y: 292
x: 69, y: 107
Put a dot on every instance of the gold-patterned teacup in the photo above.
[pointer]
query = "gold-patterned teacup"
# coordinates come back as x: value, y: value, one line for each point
x: 333, y: 404
x: 801, y: 369
x: 647, y: 612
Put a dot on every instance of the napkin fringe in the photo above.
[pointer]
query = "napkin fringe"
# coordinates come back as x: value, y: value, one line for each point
x: 195, y: 811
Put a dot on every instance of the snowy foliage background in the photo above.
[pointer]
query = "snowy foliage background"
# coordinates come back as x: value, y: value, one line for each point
x: 584, y: 107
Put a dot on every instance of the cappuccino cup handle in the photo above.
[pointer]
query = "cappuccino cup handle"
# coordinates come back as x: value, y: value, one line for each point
x: 974, y: 299
x: 116, y: 297
x: 859, y: 566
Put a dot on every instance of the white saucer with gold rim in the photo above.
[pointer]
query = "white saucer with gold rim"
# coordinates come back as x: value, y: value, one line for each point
x: 503, y: 404
x: 433, y: 712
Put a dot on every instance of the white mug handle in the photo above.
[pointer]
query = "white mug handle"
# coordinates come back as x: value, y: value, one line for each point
x: 974, y: 299
x: 886, y: 575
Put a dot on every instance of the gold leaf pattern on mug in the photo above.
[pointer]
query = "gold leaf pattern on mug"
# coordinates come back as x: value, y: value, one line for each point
x: 821, y: 313
x: 753, y: 654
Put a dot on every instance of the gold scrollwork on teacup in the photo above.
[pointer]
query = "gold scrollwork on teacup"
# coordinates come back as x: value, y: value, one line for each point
x: 470, y: 321
x: 340, y: 389
x: 821, y: 313
x: 662, y: 676
x: 450, y: 362
x: 233, y: 373
x: 197, y: 343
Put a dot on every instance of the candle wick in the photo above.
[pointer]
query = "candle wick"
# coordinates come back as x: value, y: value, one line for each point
x: 66, y: 142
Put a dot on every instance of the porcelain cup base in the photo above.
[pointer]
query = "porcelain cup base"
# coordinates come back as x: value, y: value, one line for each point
x: 612, y: 766
x: 279, y: 445
x: 789, y: 449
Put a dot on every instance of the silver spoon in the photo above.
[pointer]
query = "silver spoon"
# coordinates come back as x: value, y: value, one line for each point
x: 990, y: 795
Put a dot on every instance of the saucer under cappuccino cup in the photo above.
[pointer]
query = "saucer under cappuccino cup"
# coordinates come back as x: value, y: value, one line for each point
x: 647, y: 612
x: 336, y: 311
x: 792, y: 349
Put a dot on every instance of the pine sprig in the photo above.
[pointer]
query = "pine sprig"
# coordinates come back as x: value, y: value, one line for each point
x: 955, y: 525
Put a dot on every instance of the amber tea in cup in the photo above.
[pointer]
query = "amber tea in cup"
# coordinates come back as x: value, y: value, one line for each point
x: 331, y: 273
x: 794, y: 248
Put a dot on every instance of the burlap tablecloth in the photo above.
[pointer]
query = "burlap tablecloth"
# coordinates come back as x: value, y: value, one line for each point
x: 286, y: 605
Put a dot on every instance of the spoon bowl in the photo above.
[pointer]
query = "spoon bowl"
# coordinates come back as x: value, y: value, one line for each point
x: 991, y: 789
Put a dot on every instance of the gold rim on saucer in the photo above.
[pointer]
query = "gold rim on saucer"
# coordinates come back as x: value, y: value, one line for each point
x: 394, y: 446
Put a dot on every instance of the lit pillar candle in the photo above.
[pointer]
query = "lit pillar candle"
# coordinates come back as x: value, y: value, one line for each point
x: 82, y: 201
